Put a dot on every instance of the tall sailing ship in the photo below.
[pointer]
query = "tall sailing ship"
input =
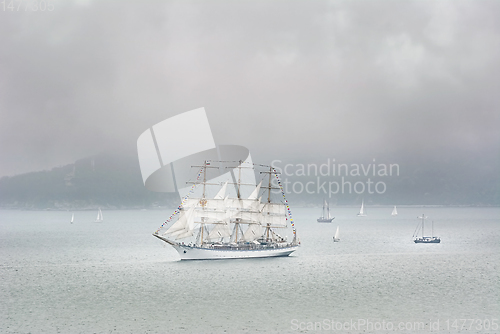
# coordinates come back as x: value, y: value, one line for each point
x: 325, y: 218
x: 228, y: 226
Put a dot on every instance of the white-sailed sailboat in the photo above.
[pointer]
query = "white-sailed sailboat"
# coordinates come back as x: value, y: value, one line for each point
x: 336, y: 237
x: 325, y: 218
x: 99, y: 218
x: 72, y: 218
x: 394, y: 211
x: 361, y: 210
x: 230, y: 226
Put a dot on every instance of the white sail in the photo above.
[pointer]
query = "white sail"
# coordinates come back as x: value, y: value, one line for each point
x: 251, y: 204
x: 253, y: 232
x: 208, y: 204
x: 274, y: 214
x: 189, y: 226
x: 337, y: 235
x: 275, y: 208
x: 242, y: 204
x: 247, y: 217
x: 186, y: 234
x: 184, y: 223
x: 361, y: 210
x: 222, y: 192
x: 179, y: 225
x: 210, y: 216
x: 99, y: 216
x: 255, y: 193
x: 219, y: 231
x: 211, y: 210
x: 394, y: 211
x: 72, y: 218
x: 274, y: 220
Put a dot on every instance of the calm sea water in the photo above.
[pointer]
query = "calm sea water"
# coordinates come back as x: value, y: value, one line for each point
x: 114, y: 277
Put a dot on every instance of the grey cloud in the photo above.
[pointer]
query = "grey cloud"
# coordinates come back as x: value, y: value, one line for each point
x: 285, y: 79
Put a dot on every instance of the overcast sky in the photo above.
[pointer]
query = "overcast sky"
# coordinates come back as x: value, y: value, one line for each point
x: 351, y: 80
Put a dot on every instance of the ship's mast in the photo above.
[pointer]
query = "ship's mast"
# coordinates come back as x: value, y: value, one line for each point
x: 423, y: 218
x: 236, y: 223
x: 268, y: 227
x: 236, y: 228
x: 239, y: 178
x: 203, y: 200
x: 204, y: 177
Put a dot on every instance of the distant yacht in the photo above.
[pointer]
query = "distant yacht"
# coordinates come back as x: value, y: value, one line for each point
x: 323, y: 218
x: 361, y: 210
x: 423, y: 239
x: 336, y: 237
x: 99, y: 218
x: 72, y: 218
x: 394, y: 211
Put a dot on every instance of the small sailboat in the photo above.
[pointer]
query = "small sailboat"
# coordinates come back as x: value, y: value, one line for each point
x: 72, y: 218
x: 99, y: 218
x: 336, y: 237
x: 394, y: 211
x: 325, y: 218
x: 423, y: 239
x: 361, y: 210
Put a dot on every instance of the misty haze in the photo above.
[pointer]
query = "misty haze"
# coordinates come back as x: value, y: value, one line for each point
x: 356, y: 109
x: 408, y: 83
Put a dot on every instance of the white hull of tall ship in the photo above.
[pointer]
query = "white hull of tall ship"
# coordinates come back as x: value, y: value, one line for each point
x: 209, y: 253
x: 214, y: 252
